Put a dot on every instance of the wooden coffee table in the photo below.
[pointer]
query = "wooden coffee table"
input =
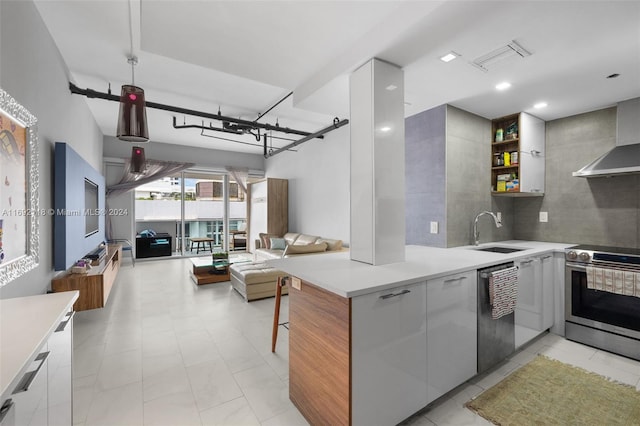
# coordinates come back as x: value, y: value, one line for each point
x: 207, y: 271
x: 201, y: 243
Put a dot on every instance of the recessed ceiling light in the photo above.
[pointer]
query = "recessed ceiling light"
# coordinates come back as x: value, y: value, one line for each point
x: 391, y: 87
x: 540, y: 105
x: 449, y: 57
x: 385, y: 129
x: 503, y: 86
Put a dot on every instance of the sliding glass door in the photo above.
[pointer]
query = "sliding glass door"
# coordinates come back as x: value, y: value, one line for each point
x: 203, y: 212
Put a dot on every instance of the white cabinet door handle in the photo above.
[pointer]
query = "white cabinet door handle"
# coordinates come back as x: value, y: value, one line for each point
x: 545, y: 257
x: 454, y: 280
x: 6, y: 410
x: 63, y: 324
x: 526, y: 262
x: 30, y: 376
x: 387, y: 296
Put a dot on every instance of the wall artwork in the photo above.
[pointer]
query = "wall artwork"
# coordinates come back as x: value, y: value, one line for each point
x: 19, y: 238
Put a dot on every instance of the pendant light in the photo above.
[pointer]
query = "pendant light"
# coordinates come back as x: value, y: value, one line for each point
x: 137, y: 160
x: 132, y: 119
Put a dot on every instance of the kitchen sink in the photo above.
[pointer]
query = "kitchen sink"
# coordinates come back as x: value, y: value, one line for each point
x: 499, y: 249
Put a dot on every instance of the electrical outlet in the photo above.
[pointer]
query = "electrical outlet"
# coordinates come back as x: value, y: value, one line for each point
x: 434, y: 227
x: 499, y: 215
x: 544, y: 217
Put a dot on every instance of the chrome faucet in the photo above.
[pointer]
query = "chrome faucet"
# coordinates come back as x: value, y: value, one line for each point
x: 476, y: 234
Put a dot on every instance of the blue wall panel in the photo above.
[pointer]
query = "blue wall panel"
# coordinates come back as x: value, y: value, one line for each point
x: 70, y: 172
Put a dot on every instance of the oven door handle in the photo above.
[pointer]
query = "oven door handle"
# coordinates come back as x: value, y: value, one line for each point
x: 575, y: 266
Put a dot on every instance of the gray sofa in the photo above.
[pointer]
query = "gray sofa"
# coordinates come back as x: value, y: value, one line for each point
x: 294, y: 244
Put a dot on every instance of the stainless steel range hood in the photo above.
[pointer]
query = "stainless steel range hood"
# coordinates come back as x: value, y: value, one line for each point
x: 625, y: 157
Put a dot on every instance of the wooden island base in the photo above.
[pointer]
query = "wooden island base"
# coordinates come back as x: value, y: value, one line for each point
x: 319, y: 362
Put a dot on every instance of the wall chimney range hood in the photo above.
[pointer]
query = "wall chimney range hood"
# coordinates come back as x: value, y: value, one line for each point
x: 625, y: 157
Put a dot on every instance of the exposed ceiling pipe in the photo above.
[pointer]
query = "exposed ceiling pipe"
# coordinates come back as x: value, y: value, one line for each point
x: 202, y: 133
x: 202, y: 127
x: 336, y: 125
x: 89, y: 93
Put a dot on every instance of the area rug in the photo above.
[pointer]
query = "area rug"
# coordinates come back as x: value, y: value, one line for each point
x: 548, y: 392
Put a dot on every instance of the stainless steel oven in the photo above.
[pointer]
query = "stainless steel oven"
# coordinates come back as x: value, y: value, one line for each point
x: 602, y: 319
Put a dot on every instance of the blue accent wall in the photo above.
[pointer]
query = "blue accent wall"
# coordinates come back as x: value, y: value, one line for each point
x: 69, y: 241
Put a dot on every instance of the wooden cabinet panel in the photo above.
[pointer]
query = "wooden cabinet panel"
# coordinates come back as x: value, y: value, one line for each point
x: 319, y: 361
x: 96, y: 284
x: 267, y: 209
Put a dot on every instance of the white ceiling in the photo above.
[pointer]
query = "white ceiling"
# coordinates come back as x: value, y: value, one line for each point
x: 244, y: 56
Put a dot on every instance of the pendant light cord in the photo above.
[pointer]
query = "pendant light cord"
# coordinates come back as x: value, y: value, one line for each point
x: 132, y: 60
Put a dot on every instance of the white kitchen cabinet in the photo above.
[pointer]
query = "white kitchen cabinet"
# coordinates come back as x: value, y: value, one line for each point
x: 451, y: 332
x: 389, y: 352
x: 532, y: 159
x: 535, y: 308
x: 36, y: 369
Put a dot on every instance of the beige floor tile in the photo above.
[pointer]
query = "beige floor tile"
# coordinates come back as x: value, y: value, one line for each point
x: 236, y: 412
x: 171, y: 410
x: 267, y: 394
x: 119, y: 369
x: 120, y: 406
x: 165, y: 383
x: 212, y: 384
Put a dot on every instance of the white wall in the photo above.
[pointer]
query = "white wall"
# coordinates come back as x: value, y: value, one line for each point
x: 318, y: 175
x: 33, y: 72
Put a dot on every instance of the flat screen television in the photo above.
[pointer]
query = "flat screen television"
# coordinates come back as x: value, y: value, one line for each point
x: 91, y: 212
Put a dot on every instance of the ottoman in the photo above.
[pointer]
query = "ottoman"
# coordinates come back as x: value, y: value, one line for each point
x: 255, y: 280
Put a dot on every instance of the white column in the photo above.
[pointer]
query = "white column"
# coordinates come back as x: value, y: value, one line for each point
x: 377, y: 163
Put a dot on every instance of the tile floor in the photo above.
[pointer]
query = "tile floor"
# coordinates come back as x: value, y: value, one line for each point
x: 165, y: 352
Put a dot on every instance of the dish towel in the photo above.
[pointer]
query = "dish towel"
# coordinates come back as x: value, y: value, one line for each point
x: 618, y: 281
x: 503, y: 291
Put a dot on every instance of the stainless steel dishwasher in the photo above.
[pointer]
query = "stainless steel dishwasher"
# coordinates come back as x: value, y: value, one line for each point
x: 496, y: 337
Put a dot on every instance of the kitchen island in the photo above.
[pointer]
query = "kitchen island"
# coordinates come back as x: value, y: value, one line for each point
x: 375, y: 344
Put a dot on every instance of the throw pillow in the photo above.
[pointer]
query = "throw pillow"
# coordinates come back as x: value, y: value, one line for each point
x: 304, y: 240
x: 331, y: 244
x: 278, y: 243
x: 265, y: 240
x: 309, y: 248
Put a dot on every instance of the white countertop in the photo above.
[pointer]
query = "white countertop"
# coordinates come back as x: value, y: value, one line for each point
x: 347, y: 278
x: 25, y: 325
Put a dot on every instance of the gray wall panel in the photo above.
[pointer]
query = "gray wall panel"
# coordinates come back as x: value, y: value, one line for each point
x: 425, y: 189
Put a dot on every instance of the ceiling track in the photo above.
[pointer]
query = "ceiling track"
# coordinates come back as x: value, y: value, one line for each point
x: 90, y: 93
x: 336, y: 125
